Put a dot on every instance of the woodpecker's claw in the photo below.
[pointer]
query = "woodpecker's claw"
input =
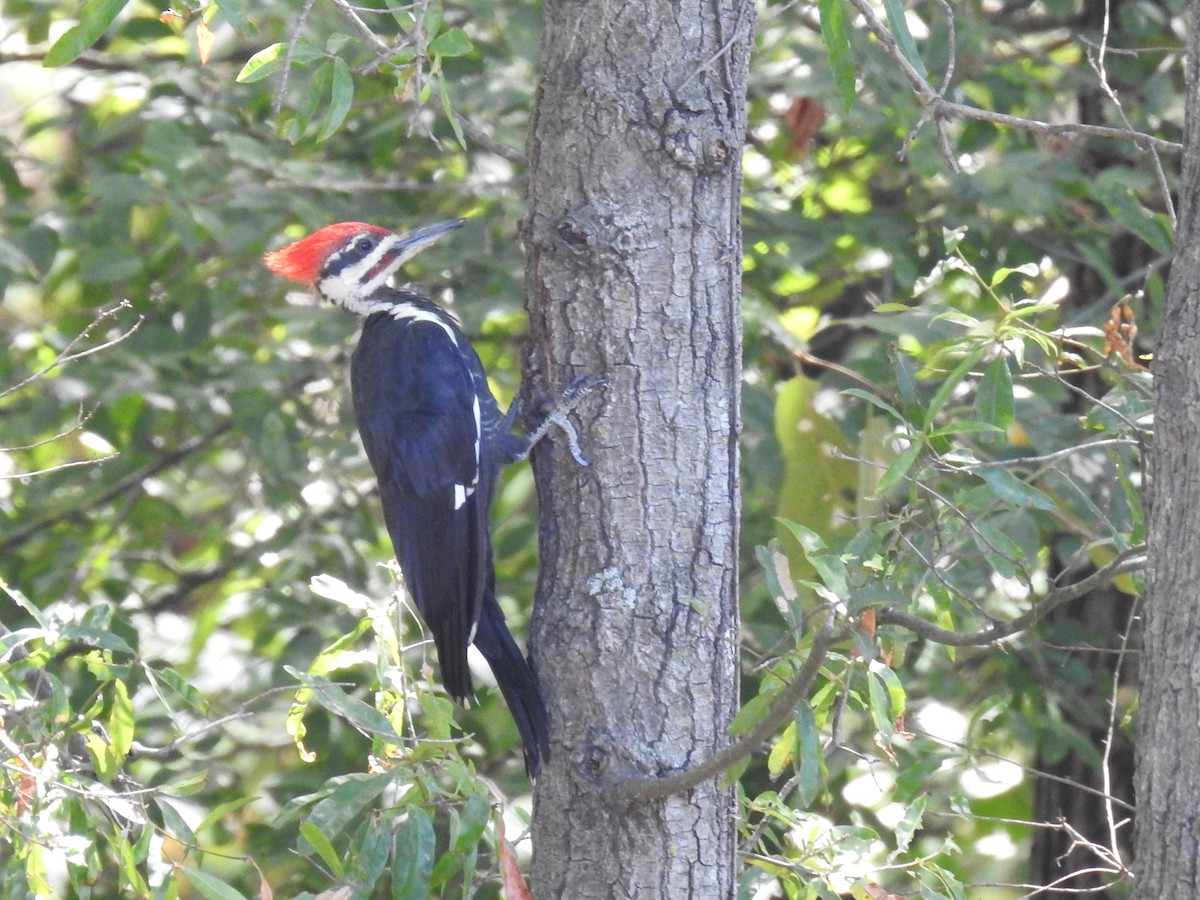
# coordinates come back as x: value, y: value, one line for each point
x: 578, y: 388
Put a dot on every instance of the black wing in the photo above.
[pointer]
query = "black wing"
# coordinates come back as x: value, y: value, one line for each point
x: 418, y: 412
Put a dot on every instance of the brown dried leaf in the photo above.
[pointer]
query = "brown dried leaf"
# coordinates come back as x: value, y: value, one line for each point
x: 1120, y: 332
x: 802, y: 119
x: 204, y: 41
x: 515, y: 887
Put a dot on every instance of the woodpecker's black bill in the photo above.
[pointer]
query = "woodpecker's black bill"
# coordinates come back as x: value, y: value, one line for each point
x: 404, y: 246
x: 413, y: 242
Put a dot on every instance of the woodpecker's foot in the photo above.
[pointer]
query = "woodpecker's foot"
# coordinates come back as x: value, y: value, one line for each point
x: 578, y: 388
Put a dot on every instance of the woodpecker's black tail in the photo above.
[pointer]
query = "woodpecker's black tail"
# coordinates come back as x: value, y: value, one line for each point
x: 518, y: 683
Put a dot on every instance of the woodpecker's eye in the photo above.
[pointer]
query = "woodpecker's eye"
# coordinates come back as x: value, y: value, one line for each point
x: 364, y: 245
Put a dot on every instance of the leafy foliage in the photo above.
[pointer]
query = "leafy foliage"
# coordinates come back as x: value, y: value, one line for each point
x: 207, y: 685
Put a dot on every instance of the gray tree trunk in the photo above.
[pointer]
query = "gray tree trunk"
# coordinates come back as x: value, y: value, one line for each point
x: 1168, y: 776
x: 633, y: 273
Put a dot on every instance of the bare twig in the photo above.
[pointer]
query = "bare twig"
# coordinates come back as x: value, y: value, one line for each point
x: 382, y: 49
x: 59, y: 467
x: 1109, y: 736
x: 1024, y: 767
x: 68, y: 354
x: 1054, y: 456
x: 130, y: 482
x: 489, y: 143
x: 301, y: 18
x: 81, y: 419
x: 195, y: 734
x: 1097, y: 63
x: 941, y: 107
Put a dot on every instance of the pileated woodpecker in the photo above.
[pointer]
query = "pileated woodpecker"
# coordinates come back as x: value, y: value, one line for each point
x: 436, y: 439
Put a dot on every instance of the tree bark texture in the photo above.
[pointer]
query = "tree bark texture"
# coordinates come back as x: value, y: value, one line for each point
x: 1168, y: 776
x: 633, y: 273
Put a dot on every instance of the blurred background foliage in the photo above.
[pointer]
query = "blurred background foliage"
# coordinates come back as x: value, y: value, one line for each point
x: 203, y: 689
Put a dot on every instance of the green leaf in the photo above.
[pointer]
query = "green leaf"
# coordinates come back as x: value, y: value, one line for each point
x: 752, y: 712
x: 268, y: 59
x: 830, y: 568
x: 235, y: 14
x: 908, y: 826
x: 371, y: 846
x: 97, y: 15
x: 347, y: 801
x: 318, y: 842
x: 465, y: 831
x: 777, y: 574
x: 120, y: 723
x: 899, y: 467
x: 262, y: 64
x: 25, y: 603
x: 16, y: 638
x: 947, y: 387
x: 134, y: 881
x: 95, y: 637
x: 808, y: 751
x: 412, y: 857
x: 176, y: 682
x: 783, y: 752
x: 837, y: 43
x: 211, y: 887
x: 174, y: 824
x: 341, y: 95
x: 965, y: 426
x: 444, y: 92
x: 103, y: 759
x: 16, y: 260
x: 952, y: 237
x: 880, y: 705
x: 1011, y: 489
x: 218, y: 812
x: 362, y: 716
x: 273, y: 430
x: 874, y: 400
x: 899, y: 26
x: 895, y: 689
x: 451, y: 42
x: 994, y: 396
x: 1029, y: 270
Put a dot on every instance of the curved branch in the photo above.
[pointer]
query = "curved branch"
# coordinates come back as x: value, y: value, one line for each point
x: 1131, y: 560
x: 646, y: 789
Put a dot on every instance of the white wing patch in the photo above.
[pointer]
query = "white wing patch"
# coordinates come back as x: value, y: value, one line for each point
x: 478, y: 437
x: 463, y: 491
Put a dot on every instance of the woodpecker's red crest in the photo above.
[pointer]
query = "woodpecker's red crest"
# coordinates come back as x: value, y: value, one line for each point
x: 302, y: 260
x: 349, y: 263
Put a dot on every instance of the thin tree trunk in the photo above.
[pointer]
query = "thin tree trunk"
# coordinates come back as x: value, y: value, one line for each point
x: 633, y: 273
x: 1168, y: 776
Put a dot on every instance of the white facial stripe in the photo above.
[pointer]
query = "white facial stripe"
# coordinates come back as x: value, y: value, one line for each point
x: 375, y: 258
x: 353, y: 285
